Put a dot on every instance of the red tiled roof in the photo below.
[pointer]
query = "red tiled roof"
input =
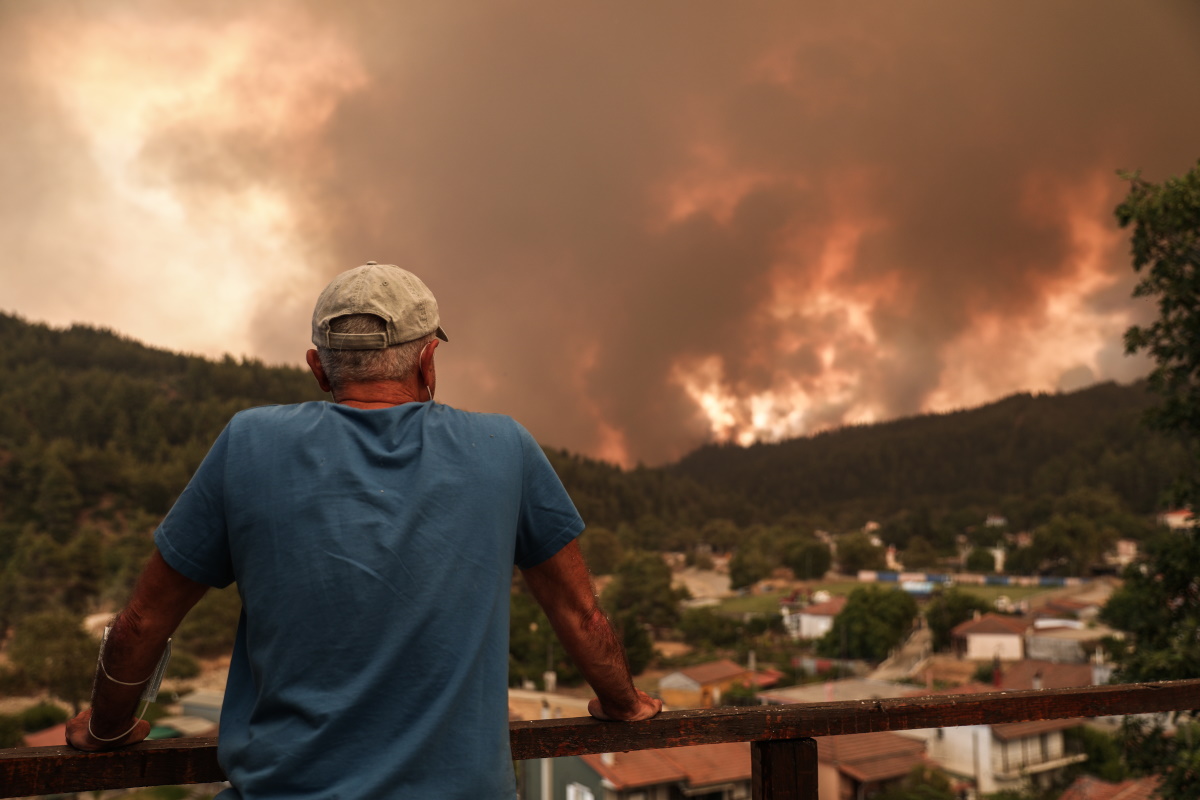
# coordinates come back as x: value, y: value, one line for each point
x: 766, y: 678
x: 830, y: 608
x: 636, y: 768
x: 992, y: 623
x: 702, y: 765
x: 48, y: 737
x: 706, y: 765
x: 871, y: 756
x: 714, y: 671
x: 1087, y: 787
x: 882, y: 769
x: 1020, y: 675
x: 1007, y: 731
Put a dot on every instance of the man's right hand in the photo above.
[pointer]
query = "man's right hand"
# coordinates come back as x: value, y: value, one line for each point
x: 645, y: 708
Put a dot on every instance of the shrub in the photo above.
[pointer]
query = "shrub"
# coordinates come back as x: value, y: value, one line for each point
x: 43, y: 715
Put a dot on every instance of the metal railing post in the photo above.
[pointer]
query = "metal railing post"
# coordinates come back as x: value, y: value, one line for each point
x: 783, y: 769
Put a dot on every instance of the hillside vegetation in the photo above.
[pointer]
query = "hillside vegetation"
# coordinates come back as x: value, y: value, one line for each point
x: 99, y: 434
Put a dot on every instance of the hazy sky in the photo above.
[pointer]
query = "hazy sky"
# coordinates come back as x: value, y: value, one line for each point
x: 649, y: 225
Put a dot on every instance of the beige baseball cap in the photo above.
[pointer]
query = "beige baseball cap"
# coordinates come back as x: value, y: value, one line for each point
x: 393, y: 294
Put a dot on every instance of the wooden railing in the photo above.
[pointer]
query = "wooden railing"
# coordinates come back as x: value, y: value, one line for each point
x: 783, y: 752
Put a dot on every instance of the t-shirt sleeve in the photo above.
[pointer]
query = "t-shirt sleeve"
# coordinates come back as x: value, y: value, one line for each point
x: 547, y: 518
x: 193, y: 537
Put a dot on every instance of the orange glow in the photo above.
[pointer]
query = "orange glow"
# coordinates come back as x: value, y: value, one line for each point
x: 131, y: 84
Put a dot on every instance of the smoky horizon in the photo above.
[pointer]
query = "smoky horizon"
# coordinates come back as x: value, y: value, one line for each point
x: 647, y: 228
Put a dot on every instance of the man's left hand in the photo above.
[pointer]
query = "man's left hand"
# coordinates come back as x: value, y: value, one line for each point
x: 80, y: 738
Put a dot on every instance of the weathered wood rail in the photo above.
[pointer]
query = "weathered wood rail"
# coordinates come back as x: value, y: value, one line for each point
x: 783, y: 754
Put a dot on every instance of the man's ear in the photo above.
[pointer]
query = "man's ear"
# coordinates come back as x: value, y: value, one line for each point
x: 318, y: 371
x: 426, y: 366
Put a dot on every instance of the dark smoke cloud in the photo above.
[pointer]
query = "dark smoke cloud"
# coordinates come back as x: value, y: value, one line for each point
x: 615, y: 203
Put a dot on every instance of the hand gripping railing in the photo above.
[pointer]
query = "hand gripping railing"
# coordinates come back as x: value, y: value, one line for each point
x: 783, y: 752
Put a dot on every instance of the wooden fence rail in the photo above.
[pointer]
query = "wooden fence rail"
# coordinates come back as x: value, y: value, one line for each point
x: 783, y: 756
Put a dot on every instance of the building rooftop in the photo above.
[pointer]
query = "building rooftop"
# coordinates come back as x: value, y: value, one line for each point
x: 1007, y: 731
x: 871, y: 756
x: 699, y: 766
x: 1088, y: 787
x: 830, y: 608
x: 1021, y: 674
x: 714, y: 671
x: 992, y: 623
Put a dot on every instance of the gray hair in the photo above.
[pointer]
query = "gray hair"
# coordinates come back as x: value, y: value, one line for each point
x: 395, y: 363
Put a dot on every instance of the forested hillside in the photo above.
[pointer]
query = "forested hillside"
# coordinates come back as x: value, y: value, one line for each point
x: 98, y: 435
x: 1013, y: 457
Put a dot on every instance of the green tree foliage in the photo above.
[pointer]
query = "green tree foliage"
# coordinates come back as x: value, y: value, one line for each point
x: 947, y: 609
x: 54, y: 652
x: 641, y: 589
x: 875, y: 620
x: 1015, y: 456
x: 720, y: 534
x: 748, y: 565
x: 41, y: 716
x: 1159, y: 604
x: 739, y: 694
x: 601, y: 549
x: 923, y: 783
x: 706, y: 629
x: 1166, y: 255
x: 919, y: 554
x: 11, y: 733
x: 808, y: 557
x: 980, y: 560
x: 532, y: 647
x: 37, y: 577
x: 210, y: 627
x: 1070, y: 544
x: 58, y: 500
x: 636, y: 638
x: 855, y: 551
x: 1103, y: 754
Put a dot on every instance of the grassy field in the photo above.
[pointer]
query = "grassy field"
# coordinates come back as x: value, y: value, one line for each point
x: 769, y: 603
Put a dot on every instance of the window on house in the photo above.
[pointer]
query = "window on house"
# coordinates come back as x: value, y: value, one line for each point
x: 577, y: 791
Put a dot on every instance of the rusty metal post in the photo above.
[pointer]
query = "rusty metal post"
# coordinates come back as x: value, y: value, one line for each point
x: 783, y: 769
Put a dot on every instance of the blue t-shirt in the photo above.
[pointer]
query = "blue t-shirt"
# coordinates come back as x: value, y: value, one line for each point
x: 373, y: 551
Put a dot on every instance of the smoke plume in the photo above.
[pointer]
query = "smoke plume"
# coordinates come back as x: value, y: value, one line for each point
x: 648, y: 225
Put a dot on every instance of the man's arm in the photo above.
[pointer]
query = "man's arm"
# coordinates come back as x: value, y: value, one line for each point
x: 563, y: 588
x: 136, y: 642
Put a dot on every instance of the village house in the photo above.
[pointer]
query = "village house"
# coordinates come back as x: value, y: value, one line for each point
x: 705, y: 772
x: 861, y: 764
x: 1178, y: 519
x: 990, y: 636
x: 702, y: 685
x: 1065, y: 640
x: 995, y: 758
x: 814, y: 621
x: 849, y: 766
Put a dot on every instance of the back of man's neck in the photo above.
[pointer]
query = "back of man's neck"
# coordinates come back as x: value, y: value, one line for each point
x: 377, y: 394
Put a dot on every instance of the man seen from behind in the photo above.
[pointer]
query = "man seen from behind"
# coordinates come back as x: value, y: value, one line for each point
x: 372, y: 541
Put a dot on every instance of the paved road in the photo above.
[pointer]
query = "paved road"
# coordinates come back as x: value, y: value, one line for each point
x: 906, y: 657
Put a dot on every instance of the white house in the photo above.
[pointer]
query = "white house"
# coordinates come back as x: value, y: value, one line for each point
x: 1178, y: 519
x: 812, y: 622
x: 991, y: 636
x: 998, y: 758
